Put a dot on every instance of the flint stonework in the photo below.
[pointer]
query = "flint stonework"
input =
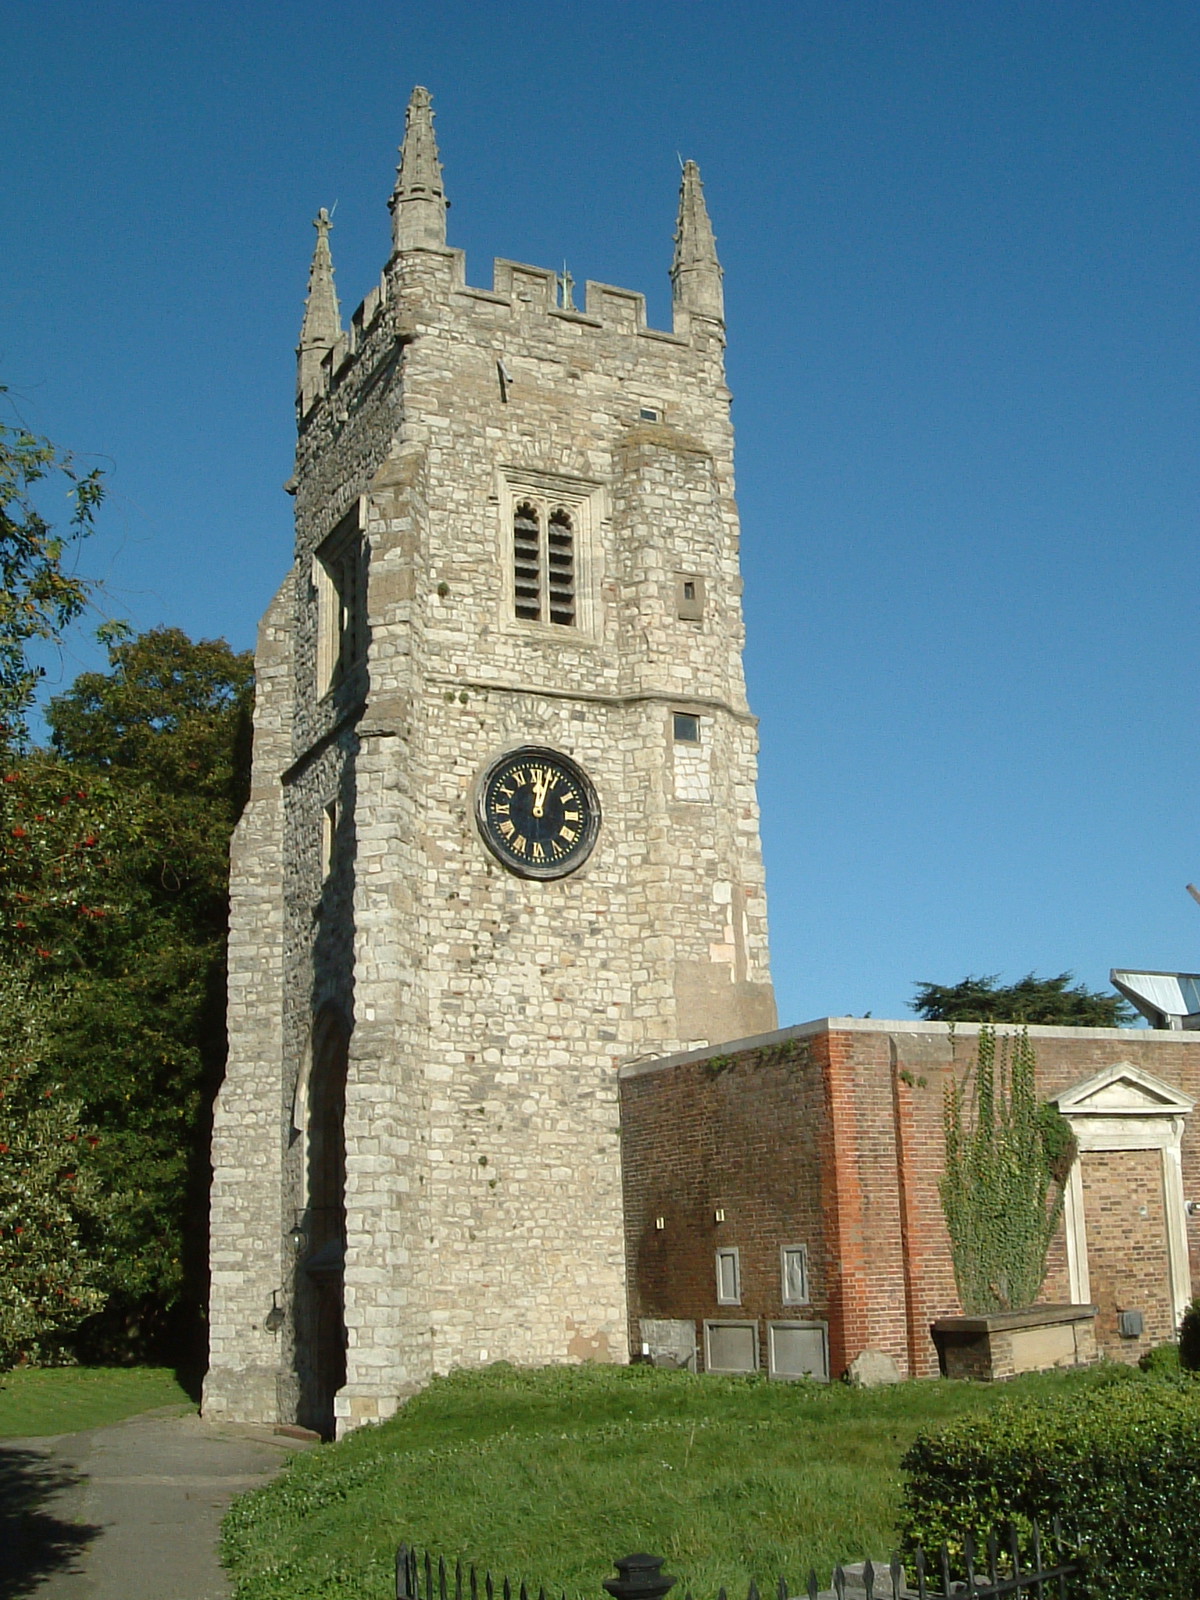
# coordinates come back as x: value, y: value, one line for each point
x: 486, y: 1014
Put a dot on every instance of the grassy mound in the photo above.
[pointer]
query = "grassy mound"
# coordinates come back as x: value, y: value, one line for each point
x: 549, y: 1475
x: 36, y: 1401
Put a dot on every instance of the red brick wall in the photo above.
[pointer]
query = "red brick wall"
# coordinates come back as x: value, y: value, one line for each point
x: 746, y: 1136
x: 832, y: 1137
x: 864, y: 1213
x: 1127, y: 1255
x: 919, y: 1072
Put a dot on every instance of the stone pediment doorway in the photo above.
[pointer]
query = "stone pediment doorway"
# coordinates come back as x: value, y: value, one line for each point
x: 1124, y: 1212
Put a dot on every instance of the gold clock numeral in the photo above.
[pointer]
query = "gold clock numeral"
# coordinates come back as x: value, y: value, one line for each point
x: 538, y: 853
x: 519, y: 844
x: 507, y: 829
x: 569, y: 834
x: 517, y: 776
x: 500, y: 810
x: 570, y: 816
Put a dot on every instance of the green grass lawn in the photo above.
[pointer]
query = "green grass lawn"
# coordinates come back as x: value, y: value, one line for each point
x: 35, y: 1401
x: 549, y: 1475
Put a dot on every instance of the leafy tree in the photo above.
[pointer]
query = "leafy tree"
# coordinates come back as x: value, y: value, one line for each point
x: 39, y: 597
x: 170, y: 713
x: 165, y: 734
x: 1031, y: 1000
x: 115, y: 888
x: 50, y: 1193
x: 71, y: 915
x: 61, y: 866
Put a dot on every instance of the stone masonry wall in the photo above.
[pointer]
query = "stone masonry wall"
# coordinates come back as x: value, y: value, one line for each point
x: 247, y: 1252
x: 490, y: 1013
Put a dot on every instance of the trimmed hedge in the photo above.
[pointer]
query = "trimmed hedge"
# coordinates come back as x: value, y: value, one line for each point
x: 1118, y: 1463
x: 1161, y: 1361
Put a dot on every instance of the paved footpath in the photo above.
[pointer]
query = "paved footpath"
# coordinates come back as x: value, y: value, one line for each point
x: 129, y: 1512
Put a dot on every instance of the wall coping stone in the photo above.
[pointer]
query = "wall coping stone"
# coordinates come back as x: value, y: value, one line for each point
x: 1003, y: 1321
x: 878, y: 1025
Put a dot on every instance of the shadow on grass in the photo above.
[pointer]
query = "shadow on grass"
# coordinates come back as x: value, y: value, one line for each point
x: 189, y: 1375
x: 34, y: 1543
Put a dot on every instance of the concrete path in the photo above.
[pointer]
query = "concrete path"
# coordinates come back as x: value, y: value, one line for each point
x: 129, y: 1512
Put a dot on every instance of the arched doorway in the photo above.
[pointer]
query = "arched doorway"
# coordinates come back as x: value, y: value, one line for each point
x: 325, y: 1252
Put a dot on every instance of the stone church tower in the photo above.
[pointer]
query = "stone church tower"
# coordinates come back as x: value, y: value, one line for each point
x: 502, y: 835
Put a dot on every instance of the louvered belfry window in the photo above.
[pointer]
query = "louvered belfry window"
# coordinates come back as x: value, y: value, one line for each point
x: 544, y: 563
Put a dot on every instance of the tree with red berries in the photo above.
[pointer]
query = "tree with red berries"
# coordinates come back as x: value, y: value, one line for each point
x: 113, y: 906
x: 51, y: 1196
x: 51, y: 1210
x: 114, y: 891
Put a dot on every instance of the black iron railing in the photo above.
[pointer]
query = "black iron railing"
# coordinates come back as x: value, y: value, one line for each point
x: 997, y: 1570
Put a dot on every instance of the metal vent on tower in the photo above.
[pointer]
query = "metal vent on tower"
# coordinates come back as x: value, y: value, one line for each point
x: 544, y: 564
x: 527, y: 574
x: 561, y: 568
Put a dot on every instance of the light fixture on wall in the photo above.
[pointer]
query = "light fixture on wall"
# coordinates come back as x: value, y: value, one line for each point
x: 274, y: 1318
x: 297, y: 1234
x: 719, y: 1214
x: 660, y: 1223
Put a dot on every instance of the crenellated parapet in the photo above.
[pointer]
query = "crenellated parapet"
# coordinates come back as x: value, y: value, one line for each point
x: 423, y: 272
x: 519, y: 291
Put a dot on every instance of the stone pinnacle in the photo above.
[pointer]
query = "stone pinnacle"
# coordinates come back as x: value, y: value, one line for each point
x: 322, y: 319
x: 418, y: 204
x: 322, y: 325
x: 695, y: 270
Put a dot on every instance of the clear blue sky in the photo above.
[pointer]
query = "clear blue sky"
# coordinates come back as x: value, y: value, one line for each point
x: 961, y: 253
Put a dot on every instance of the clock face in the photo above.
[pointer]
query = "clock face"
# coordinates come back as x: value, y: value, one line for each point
x: 538, y: 813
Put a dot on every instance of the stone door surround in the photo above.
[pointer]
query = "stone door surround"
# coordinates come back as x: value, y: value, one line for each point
x: 1124, y: 1108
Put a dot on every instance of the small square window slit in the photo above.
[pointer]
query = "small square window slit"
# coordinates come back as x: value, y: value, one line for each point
x: 689, y: 597
x: 686, y: 727
x: 329, y: 827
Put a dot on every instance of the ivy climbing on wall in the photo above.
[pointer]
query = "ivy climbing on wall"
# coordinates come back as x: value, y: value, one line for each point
x: 1007, y: 1161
